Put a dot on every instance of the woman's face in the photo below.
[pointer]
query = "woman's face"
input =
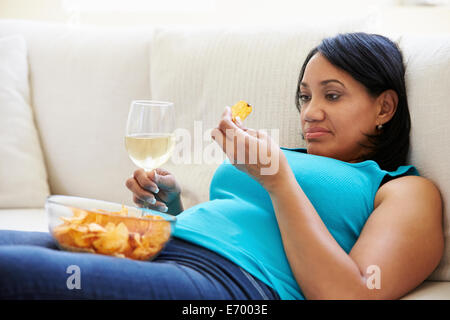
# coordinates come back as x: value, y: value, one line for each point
x: 331, y: 99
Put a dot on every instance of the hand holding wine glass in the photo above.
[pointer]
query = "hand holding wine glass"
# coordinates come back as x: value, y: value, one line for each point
x: 150, y: 141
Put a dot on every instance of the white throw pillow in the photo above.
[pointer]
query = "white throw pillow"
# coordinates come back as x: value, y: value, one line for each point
x: 23, y: 177
x: 202, y: 70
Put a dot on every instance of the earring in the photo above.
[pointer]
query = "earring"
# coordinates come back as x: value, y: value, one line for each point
x: 380, y: 126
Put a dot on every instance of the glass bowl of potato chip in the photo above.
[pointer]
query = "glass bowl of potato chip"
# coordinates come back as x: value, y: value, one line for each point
x: 96, y: 226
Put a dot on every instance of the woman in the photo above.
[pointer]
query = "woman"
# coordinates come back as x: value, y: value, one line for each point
x: 344, y: 218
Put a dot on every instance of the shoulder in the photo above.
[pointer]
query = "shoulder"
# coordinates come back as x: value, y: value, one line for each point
x: 411, y: 188
x: 406, y: 222
x: 409, y: 201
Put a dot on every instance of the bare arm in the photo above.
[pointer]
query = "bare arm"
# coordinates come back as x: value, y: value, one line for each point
x: 403, y: 237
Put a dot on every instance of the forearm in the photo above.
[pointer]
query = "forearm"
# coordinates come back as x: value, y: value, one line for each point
x: 321, y: 267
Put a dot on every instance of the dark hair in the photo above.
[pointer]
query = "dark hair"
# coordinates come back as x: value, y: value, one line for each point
x: 377, y: 63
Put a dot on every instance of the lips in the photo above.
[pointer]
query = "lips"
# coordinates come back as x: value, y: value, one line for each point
x: 315, y: 132
x: 316, y: 129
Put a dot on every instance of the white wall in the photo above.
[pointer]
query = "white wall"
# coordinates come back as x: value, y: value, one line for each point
x: 394, y: 17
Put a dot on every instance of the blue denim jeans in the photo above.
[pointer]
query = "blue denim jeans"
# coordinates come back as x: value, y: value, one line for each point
x: 32, y: 267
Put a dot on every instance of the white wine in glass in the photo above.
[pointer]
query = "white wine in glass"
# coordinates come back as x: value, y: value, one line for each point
x: 150, y: 137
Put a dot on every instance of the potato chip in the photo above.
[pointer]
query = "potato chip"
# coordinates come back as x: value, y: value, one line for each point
x: 123, y: 211
x: 94, y: 227
x: 114, y: 240
x: 157, y: 235
x: 78, y: 217
x: 135, y: 240
x: 143, y: 253
x: 105, y: 232
x: 79, y: 240
x: 241, y: 109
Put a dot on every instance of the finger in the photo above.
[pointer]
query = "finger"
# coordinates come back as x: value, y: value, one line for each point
x: 239, y: 123
x: 139, y: 192
x: 144, y: 181
x: 159, y: 206
x: 162, y: 178
x: 162, y: 195
x: 162, y: 171
x: 218, y: 137
x: 141, y: 202
x: 252, y: 132
x: 229, y: 128
x: 138, y: 201
x: 240, y: 139
x: 230, y: 145
x: 224, y: 143
x: 226, y: 119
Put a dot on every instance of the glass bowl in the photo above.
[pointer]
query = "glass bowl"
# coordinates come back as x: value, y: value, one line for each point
x: 96, y: 226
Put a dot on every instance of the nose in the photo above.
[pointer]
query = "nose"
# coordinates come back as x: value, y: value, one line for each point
x: 313, y: 112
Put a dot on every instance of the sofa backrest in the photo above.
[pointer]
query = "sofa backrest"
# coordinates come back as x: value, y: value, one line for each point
x: 427, y: 60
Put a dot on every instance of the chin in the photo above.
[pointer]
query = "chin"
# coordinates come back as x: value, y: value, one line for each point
x: 316, y: 148
x: 322, y: 149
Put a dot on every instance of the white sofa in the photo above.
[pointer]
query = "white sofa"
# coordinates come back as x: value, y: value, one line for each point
x: 77, y: 84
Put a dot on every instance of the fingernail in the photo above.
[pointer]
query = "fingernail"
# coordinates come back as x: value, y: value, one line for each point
x: 156, y: 190
x: 163, y: 208
x: 151, y: 200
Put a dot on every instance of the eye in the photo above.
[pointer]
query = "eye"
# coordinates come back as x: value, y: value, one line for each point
x: 332, y: 96
x: 304, y: 98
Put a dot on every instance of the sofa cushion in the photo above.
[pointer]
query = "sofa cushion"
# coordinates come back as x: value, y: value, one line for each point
x: 202, y: 70
x: 427, y: 61
x: 23, y: 219
x: 23, y: 176
x: 430, y: 290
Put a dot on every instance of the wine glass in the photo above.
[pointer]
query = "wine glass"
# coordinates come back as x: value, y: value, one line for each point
x: 150, y: 133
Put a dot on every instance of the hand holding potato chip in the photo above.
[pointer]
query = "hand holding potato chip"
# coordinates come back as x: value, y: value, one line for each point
x: 251, y: 151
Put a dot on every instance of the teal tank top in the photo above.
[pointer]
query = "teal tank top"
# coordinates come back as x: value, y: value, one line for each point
x: 239, y: 221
